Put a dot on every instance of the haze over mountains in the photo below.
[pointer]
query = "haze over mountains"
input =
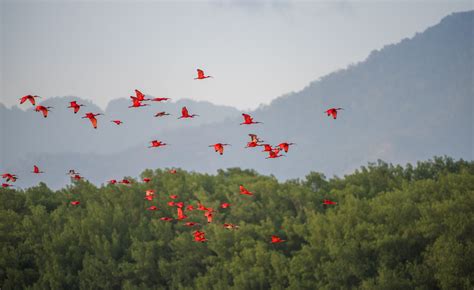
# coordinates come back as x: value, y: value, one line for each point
x: 406, y: 102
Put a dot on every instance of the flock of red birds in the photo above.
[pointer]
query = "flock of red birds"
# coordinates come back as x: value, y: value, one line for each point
x: 138, y: 101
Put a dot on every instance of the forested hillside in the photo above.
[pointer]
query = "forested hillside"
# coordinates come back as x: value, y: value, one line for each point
x: 392, y: 228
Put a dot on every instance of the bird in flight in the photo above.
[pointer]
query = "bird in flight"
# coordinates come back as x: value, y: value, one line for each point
x: 5, y: 185
x: 30, y: 98
x: 185, y: 114
x: 156, y: 143
x: 274, y: 154
x: 248, y: 120
x: 243, y: 190
x: 140, y: 96
x: 276, y: 239
x: 285, y: 146
x: 162, y: 114
x: 36, y: 170
x: 333, y: 112
x: 9, y: 177
x: 159, y: 99
x: 136, y: 103
x: 43, y: 110
x: 75, y: 106
x: 267, y: 148
x: 118, y: 122
x: 91, y: 117
x: 254, y: 138
x: 219, y: 147
x: 201, y: 75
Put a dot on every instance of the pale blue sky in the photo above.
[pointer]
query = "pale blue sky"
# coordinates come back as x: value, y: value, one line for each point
x: 256, y: 50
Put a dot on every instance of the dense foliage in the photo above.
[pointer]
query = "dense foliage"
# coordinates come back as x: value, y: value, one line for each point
x: 393, y: 228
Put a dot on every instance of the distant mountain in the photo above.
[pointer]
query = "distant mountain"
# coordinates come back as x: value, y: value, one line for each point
x: 408, y: 101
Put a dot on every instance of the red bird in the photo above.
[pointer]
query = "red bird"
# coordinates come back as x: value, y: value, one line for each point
x: 199, y: 236
x: 152, y: 208
x: 274, y: 154
x: 243, y: 190
x: 146, y: 180
x: 201, y: 75
x: 136, y: 103
x: 248, y: 120
x: 254, y: 138
x: 185, y: 114
x: 181, y: 215
x: 75, y: 202
x: 9, y: 177
x: 125, y: 181
x: 328, y: 202
x: 112, y: 181
x: 252, y: 145
x: 173, y: 196
x: 156, y: 143
x: 76, y: 177
x: 43, y: 110
x: 36, y: 170
x: 172, y: 171
x: 166, y: 219
x: 225, y: 205
x: 6, y: 185
x: 333, y: 112
x: 190, y: 207
x: 75, y: 106
x: 149, y: 192
x: 149, y: 197
x: 29, y: 98
x: 118, y: 122
x: 276, y: 239
x: 219, y: 147
x: 140, y: 96
x: 91, y: 117
x: 161, y: 114
x: 191, y: 224
x: 285, y: 146
x: 180, y: 204
x: 231, y: 226
x: 209, y: 215
x: 267, y: 148
x: 159, y: 99
x: 171, y: 203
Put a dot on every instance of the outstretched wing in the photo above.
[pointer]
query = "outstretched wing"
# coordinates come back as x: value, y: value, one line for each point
x: 139, y: 95
x: 184, y: 112
x: 200, y: 73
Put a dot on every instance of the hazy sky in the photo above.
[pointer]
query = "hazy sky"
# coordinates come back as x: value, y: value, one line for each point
x: 256, y: 50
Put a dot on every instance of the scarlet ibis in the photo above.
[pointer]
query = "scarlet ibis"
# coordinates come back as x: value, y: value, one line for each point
x: 91, y: 117
x: 149, y: 197
x: 75, y: 106
x: 146, y: 180
x: 267, y: 148
x: 333, y: 112
x: 9, y: 177
x: 199, y: 236
x: 149, y: 192
x: 276, y: 239
x: 125, y: 181
x: 181, y: 215
x: 36, y: 170
x: 136, y: 103
x: 243, y: 190
x: 209, y: 215
x: 190, y: 207
x: 76, y: 177
x: 173, y: 171
x: 252, y: 145
x: 75, y: 202
x: 185, y: 114
x: 219, y: 147
x: 161, y: 114
x: 201, y: 75
x: 254, y: 138
x: 118, y: 122
x: 4, y: 185
x: 166, y: 219
x: 152, y: 208
x: 156, y: 143
x: 248, y: 120
x: 159, y: 99
x: 180, y: 204
x: 43, y: 110
x: 140, y: 96
x: 274, y: 154
x: 328, y: 202
x: 285, y: 146
x: 231, y: 226
x: 171, y: 203
x: 225, y: 205
x: 112, y: 181
x: 30, y: 98
x: 173, y: 196
x: 191, y: 224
